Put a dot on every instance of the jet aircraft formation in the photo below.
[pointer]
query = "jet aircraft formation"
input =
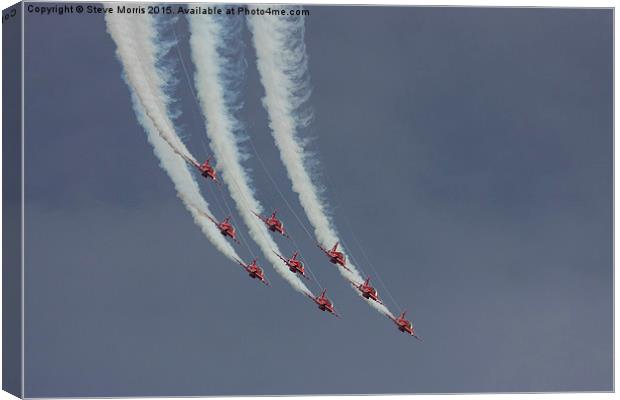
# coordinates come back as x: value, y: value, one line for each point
x: 136, y: 41
x: 296, y: 266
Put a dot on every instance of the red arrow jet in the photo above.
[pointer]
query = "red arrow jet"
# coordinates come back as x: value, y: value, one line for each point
x: 294, y: 265
x: 368, y: 292
x: 404, y: 325
x: 324, y: 303
x: 273, y: 223
x: 254, y: 271
x: 335, y: 256
x: 225, y: 227
x: 206, y: 170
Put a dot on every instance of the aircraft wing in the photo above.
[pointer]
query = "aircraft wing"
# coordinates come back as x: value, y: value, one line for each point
x: 390, y: 317
x: 347, y: 268
x: 377, y: 299
x: 281, y: 258
x: 204, y: 214
x: 322, y: 248
x: 188, y: 160
x: 336, y: 314
x: 357, y: 286
x: 260, y: 217
x: 245, y: 266
x: 210, y: 218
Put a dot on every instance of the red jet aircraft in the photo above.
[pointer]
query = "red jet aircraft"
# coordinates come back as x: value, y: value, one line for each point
x: 335, y: 257
x: 273, y: 223
x: 254, y: 271
x: 207, y: 170
x: 294, y: 265
x: 225, y: 227
x: 403, y: 324
x: 324, y: 303
x: 367, y: 291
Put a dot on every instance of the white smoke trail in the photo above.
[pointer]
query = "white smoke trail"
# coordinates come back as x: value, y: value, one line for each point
x: 283, y: 68
x: 135, y: 37
x: 215, y: 89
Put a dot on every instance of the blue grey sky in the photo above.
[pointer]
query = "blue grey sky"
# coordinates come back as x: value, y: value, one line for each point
x: 468, y: 149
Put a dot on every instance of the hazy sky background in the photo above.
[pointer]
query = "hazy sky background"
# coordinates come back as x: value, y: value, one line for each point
x: 470, y: 150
